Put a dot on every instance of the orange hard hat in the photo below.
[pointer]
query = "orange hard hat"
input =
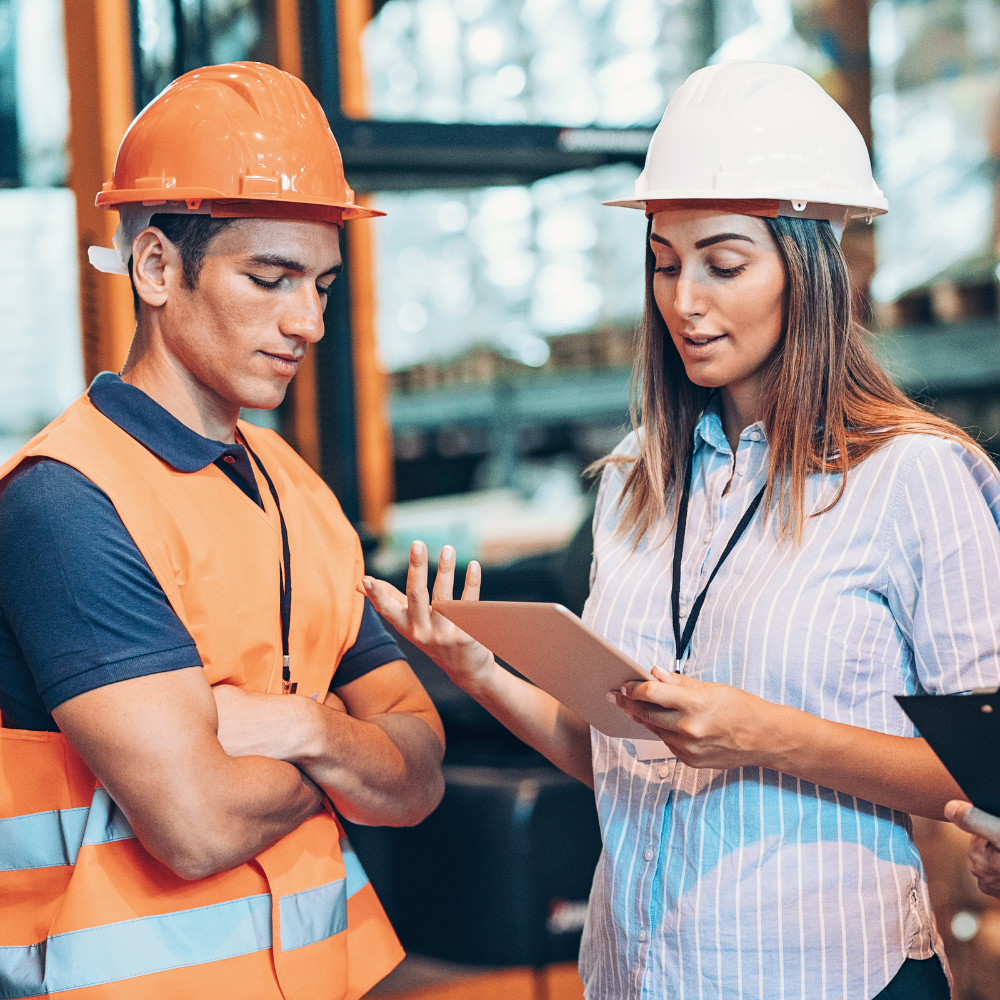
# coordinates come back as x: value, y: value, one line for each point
x: 246, y: 136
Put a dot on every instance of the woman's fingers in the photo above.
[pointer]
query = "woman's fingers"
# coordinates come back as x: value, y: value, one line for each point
x: 417, y: 603
x: 473, y: 581
x: 386, y: 600
x: 967, y: 817
x: 444, y: 583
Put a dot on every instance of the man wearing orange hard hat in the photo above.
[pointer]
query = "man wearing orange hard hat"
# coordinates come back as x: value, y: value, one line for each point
x: 191, y: 684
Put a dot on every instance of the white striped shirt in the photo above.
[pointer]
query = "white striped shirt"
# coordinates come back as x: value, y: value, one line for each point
x: 748, y: 882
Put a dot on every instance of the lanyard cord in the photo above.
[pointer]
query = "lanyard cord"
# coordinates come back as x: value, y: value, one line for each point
x: 681, y: 642
x: 287, y: 686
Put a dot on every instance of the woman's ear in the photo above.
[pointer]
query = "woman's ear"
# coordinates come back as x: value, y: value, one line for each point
x: 157, y: 268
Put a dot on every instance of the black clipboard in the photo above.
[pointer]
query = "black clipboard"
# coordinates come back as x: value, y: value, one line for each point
x: 964, y: 731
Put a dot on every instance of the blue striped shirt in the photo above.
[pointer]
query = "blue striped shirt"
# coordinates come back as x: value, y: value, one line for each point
x: 748, y: 882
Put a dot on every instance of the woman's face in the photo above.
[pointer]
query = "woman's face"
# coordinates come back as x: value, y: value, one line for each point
x: 719, y: 284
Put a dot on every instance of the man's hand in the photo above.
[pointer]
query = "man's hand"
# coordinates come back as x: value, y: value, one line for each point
x: 984, y: 851
x: 376, y: 748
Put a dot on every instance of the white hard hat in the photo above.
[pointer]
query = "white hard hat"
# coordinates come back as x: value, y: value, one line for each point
x: 758, y: 132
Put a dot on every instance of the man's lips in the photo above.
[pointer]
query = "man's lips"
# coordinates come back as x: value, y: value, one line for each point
x: 287, y: 363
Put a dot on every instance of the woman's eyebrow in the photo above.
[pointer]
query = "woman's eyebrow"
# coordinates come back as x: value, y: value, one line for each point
x: 720, y: 238
x: 660, y: 239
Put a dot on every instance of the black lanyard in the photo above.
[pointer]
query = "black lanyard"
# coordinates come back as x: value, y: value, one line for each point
x: 285, y: 571
x: 681, y: 642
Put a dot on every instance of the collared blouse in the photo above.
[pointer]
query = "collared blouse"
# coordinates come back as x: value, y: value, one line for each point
x: 749, y: 882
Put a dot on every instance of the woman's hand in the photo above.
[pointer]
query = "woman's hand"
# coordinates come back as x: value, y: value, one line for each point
x: 984, y: 851
x: 704, y: 724
x: 468, y: 663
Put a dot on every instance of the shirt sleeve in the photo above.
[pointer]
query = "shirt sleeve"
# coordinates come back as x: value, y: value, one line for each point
x: 77, y: 596
x: 373, y: 648
x: 943, y: 565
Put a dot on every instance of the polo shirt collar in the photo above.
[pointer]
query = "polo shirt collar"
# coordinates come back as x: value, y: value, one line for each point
x: 151, y: 425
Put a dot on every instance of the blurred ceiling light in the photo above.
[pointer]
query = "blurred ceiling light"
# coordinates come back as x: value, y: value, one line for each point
x: 452, y: 217
x: 411, y: 317
x: 486, y: 45
x: 510, y: 80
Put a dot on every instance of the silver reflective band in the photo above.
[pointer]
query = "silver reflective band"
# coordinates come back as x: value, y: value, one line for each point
x: 128, y: 948
x: 52, y: 838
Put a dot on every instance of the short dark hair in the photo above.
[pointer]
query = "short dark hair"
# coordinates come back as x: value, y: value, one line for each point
x: 192, y: 235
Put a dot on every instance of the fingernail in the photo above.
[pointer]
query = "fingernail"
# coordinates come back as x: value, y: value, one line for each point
x: 623, y: 690
x: 417, y: 548
x: 474, y: 565
x: 612, y: 698
x: 367, y: 583
x: 447, y: 552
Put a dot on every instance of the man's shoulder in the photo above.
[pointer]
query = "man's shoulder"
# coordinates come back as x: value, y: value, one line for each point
x: 42, y: 485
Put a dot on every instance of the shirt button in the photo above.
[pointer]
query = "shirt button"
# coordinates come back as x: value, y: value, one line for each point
x: 642, y: 935
x: 664, y: 770
x: 229, y: 459
x: 755, y: 435
x: 682, y: 610
x: 742, y: 470
x: 648, y: 854
x: 707, y: 538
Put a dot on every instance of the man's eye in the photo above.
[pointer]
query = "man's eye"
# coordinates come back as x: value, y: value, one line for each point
x: 323, y: 289
x: 265, y: 284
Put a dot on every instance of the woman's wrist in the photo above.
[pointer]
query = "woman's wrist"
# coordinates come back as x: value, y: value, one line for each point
x: 780, y: 737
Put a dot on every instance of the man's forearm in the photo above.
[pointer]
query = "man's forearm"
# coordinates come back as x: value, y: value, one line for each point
x: 262, y: 801
x: 384, y: 771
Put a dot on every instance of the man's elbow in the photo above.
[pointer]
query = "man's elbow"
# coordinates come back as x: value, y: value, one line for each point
x: 191, y: 854
x: 425, y: 798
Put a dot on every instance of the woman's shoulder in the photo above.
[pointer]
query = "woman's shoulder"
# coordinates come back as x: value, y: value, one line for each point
x: 938, y: 461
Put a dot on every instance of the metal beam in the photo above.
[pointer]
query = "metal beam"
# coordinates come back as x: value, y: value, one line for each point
x: 99, y: 67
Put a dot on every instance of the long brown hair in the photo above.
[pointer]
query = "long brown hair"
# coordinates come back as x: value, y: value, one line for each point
x: 826, y: 402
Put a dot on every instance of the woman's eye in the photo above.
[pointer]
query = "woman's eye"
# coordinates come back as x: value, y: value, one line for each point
x: 670, y: 269
x: 728, y: 272
x: 262, y: 283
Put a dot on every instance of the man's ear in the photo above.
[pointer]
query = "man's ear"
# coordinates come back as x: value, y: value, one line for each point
x: 157, y: 268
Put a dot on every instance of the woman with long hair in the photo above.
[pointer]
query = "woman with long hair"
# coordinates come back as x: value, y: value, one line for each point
x: 787, y: 542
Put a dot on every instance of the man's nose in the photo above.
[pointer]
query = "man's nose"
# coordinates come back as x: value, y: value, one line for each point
x: 303, y: 316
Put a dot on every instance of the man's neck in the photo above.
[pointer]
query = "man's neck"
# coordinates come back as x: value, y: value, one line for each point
x: 168, y: 383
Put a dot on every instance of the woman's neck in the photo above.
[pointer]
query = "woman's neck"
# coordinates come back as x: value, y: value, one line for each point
x: 740, y: 407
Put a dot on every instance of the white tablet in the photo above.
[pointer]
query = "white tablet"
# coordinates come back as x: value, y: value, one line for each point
x: 555, y: 650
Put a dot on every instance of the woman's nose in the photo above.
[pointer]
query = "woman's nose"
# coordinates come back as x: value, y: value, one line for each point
x: 688, y: 298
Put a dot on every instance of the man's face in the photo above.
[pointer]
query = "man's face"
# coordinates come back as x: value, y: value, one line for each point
x: 243, y: 331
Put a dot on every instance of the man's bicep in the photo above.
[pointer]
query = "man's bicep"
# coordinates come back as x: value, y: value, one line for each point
x: 81, y: 604
x: 390, y: 689
x: 151, y: 742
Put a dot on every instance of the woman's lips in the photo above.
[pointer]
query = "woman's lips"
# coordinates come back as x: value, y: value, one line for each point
x: 701, y: 348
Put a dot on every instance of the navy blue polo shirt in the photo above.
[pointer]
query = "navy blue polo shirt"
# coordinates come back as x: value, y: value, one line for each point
x: 79, y: 606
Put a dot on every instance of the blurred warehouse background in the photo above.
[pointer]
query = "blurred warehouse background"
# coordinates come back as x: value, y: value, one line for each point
x: 478, y: 349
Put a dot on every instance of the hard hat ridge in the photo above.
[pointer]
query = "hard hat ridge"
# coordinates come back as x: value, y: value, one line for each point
x: 753, y: 131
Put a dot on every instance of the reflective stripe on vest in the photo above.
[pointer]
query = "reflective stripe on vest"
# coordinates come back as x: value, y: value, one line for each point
x: 48, y: 839
x: 128, y: 948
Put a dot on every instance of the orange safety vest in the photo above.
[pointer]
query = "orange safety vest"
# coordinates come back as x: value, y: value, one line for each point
x: 85, y: 911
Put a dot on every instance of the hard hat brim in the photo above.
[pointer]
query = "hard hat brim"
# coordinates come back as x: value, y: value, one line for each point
x: 349, y: 211
x: 856, y: 211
